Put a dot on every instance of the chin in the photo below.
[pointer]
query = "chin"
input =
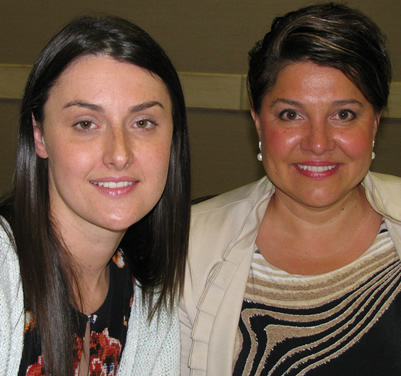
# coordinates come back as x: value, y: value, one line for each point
x: 322, y: 202
x: 121, y: 220
x: 120, y: 225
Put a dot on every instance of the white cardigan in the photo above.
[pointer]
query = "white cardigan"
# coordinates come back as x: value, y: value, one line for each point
x: 151, y: 349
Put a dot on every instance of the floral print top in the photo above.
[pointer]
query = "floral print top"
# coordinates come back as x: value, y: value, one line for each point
x: 108, y: 328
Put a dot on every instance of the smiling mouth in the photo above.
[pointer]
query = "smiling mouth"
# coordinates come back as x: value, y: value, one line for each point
x: 113, y: 184
x: 316, y: 168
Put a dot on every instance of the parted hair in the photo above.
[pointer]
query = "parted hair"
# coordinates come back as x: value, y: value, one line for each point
x: 155, y: 246
x: 328, y: 34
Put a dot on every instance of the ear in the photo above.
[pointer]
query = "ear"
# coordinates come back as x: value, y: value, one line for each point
x: 40, y: 146
x: 376, y: 124
x: 256, y: 119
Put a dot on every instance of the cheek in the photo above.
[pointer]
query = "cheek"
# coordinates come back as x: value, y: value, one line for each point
x: 69, y: 161
x: 279, y: 142
x: 157, y: 160
x: 356, y: 146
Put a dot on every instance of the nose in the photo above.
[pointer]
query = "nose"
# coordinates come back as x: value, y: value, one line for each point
x: 118, y: 150
x: 318, y: 138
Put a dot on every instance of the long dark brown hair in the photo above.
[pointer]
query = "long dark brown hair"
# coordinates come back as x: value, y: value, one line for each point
x: 155, y: 247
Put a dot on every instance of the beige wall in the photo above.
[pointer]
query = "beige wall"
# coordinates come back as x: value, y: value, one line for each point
x: 199, y: 36
x: 209, y: 36
x: 8, y: 142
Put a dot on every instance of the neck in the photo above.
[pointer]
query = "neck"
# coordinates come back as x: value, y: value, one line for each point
x: 91, y: 249
x: 297, y: 214
x: 303, y: 240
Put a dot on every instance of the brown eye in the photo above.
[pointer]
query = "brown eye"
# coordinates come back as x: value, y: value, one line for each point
x: 291, y: 115
x: 346, y: 115
x: 145, y: 124
x: 142, y: 123
x: 85, y: 125
x: 288, y: 115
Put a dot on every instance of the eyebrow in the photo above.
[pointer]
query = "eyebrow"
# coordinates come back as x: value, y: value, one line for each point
x: 335, y: 103
x: 144, y: 106
x: 348, y: 101
x: 286, y: 101
x: 98, y: 108
x: 90, y: 106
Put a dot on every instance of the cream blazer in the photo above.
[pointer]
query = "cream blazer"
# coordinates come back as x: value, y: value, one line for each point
x: 222, y: 243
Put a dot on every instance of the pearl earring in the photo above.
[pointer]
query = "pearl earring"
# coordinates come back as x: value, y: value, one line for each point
x: 373, y: 153
x: 259, y: 156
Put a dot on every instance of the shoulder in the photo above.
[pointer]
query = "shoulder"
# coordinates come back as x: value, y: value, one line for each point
x: 385, y: 179
x: 7, y: 252
x: 384, y: 194
x: 11, y: 303
x: 240, y: 202
x: 152, y: 347
x: 9, y: 265
x: 223, y: 224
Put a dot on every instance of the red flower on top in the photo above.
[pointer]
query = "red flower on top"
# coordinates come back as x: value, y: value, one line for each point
x: 77, y: 352
x: 105, y: 354
x: 36, y: 369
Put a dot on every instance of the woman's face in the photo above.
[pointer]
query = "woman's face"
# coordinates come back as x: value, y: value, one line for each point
x: 317, y: 131
x: 107, y: 134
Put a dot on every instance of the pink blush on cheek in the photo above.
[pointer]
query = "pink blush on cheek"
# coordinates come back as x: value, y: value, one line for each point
x: 279, y: 142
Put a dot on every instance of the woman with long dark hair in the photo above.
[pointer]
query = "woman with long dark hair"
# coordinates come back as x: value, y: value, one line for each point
x: 94, y: 233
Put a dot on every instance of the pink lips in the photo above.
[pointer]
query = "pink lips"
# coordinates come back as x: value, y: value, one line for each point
x: 115, y: 187
x: 317, y: 169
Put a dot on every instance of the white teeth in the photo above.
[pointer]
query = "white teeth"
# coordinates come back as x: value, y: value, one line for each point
x: 112, y: 184
x: 316, y: 168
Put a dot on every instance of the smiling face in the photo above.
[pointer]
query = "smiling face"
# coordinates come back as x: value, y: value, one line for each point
x: 316, y: 130
x: 107, y: 134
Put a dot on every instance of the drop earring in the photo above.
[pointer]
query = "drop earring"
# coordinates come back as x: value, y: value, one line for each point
x: 259, y: 156
x: 373, y: 153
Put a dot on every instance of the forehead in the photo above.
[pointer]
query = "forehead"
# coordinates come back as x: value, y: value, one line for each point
x: 309, y: 81
x: 102, y: 76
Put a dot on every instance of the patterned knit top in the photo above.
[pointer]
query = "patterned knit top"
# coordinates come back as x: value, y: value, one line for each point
x: 345, y: 322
